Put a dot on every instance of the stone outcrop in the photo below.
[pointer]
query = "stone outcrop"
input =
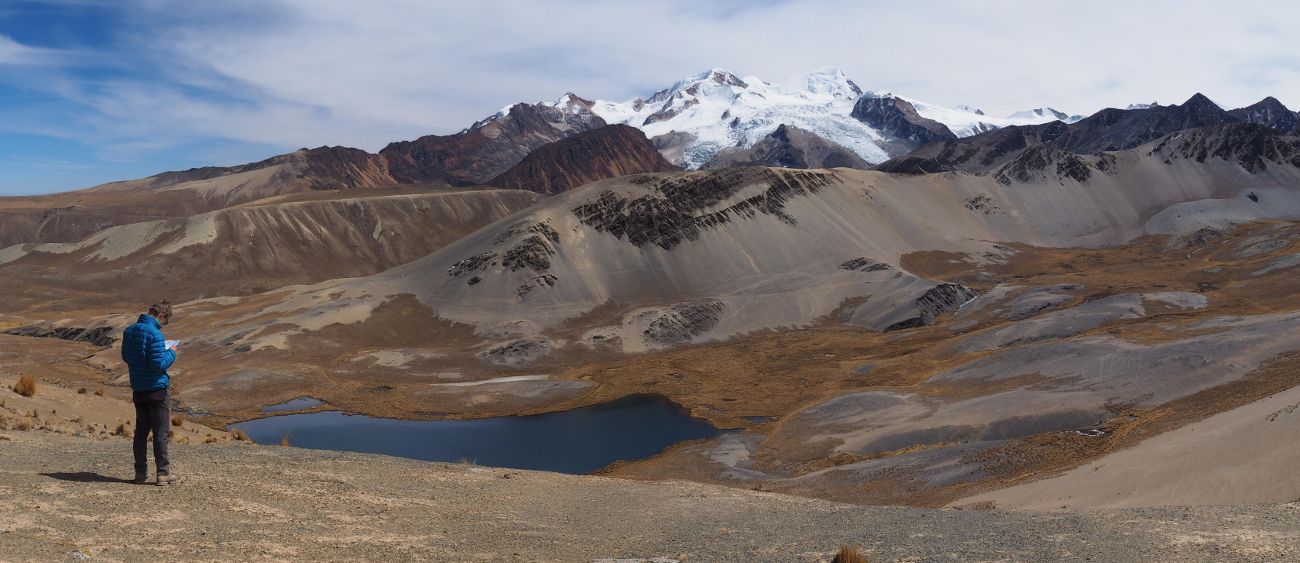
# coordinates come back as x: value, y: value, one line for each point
x: 936, y: 301
x: 1269, y: 112
x: 679, y: 213
x: 896, y: 117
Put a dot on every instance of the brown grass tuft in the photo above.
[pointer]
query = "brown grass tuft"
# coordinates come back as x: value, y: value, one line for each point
x: 99, y: 392
x: 120, y: 430
x: 178, y: 419
x: 284, y: 438
x: 210, y: 439
x: 24, y: 424
x: 849, y: 554
x: 240, y: 435
x: 26, y: 385
x: 78, y: 420
x: 82, y: 391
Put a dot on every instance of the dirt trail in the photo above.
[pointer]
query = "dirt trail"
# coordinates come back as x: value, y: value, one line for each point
x: 64, y: 499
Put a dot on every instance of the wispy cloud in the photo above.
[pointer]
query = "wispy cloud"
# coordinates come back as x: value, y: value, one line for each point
x: 15, y: 53
x: 49, y: 164
x: 290, y: 73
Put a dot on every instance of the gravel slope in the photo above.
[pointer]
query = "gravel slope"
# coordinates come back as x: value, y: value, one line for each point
x: 64, y: 500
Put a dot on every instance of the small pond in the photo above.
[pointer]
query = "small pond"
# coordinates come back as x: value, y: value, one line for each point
x: 577, y: 441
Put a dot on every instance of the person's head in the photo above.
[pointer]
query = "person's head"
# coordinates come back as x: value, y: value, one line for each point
x: 162, y: 311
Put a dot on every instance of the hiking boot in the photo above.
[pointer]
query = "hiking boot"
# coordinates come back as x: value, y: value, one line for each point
x: 165, y: 479
x: 141, y: 478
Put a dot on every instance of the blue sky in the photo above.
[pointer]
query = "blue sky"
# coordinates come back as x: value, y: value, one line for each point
x: 99, y: 90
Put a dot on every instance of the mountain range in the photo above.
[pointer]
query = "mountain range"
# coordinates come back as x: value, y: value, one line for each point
x: 888, y: 300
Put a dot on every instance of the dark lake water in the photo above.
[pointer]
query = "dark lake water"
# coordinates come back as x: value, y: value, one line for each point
x: 577, y: 441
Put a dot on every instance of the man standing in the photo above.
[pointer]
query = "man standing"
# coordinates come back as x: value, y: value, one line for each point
x: 147, y: 354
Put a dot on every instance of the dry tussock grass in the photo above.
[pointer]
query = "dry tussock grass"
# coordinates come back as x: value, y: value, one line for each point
x: 26, y: 385
x: 849, y: 554
x: 178, y: 419
x: 24, y: 425
x: 240, y: 435
x: 99, y: 392
x: 284, y: 439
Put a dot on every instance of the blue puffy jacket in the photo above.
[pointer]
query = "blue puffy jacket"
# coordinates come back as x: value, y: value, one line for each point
x: 145, y: 352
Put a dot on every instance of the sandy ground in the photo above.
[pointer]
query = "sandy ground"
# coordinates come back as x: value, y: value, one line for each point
x: 1244, y: 455
x: 65, y: 499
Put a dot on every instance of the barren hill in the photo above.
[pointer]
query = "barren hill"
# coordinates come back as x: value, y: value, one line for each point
x: 607, y: 152
x: 250, y: 248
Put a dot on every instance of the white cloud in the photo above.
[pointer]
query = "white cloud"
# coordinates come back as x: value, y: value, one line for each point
x: 311, y: 72
x: 15, y: 53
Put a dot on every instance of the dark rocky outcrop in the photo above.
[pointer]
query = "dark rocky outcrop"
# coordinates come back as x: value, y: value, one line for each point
x: 934, y: 302
x: 676, y: 213
x: 606, y: 152
x: 791, y: 147
x: 864, y: 264
x: 1250, y: 145
x: 1268, y: 112
x: 899, y: 120
x: 530, y: 248
x: 533, y: 253
x: 99, y: 336
x: 1040, y: 161
x: 682, y: 322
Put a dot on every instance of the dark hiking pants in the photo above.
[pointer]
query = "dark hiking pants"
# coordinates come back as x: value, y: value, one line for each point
x: 151, y: 416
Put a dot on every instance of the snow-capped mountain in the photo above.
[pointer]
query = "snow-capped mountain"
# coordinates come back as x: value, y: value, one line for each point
x: 965, y: 121
x: 718, y: 110
x: 698, y: 117
x: 1042, y: 115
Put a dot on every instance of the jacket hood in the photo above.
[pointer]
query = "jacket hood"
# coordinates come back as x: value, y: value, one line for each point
x: 147, y: 318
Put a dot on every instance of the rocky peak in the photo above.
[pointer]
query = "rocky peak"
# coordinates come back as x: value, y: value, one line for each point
x: 830, y: 81
x: 709, y: 81
x: 1268, y: 112
x: 897, y: 117
x: 719, y: 76
x: 489, y: 147
x: 1199, y: 109
x: 574, y: 103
